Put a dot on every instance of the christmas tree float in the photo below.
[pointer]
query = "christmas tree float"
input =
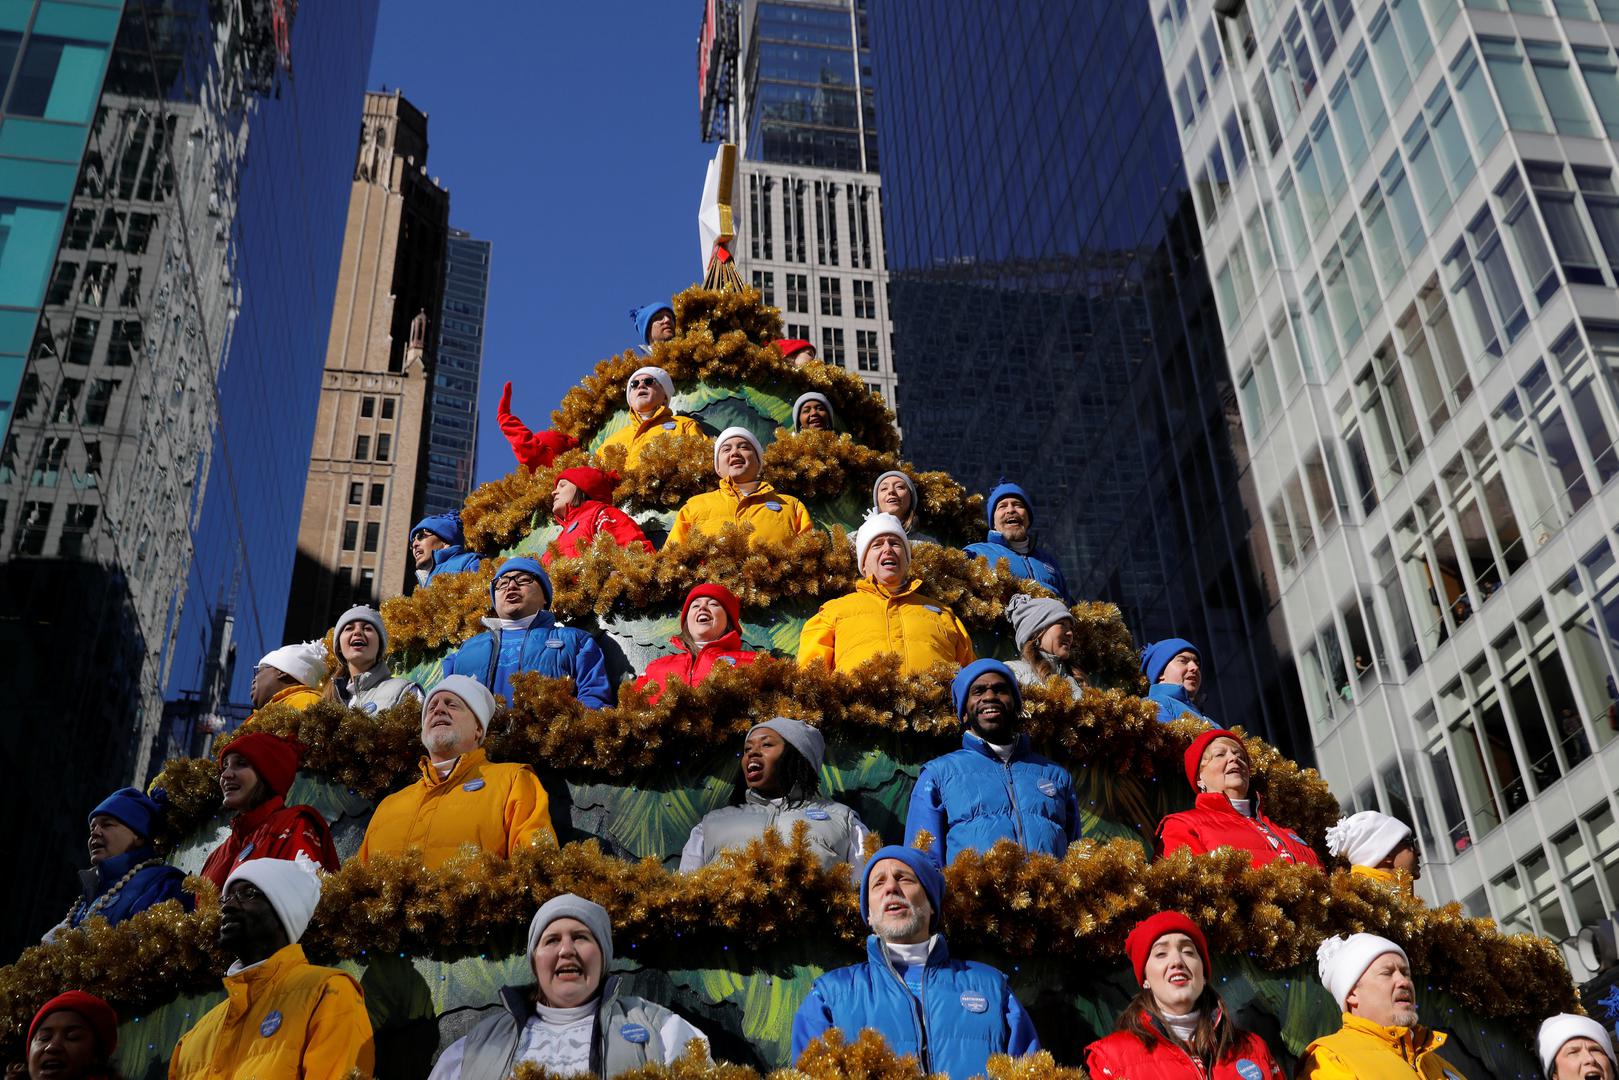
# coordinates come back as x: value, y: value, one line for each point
x: 734, y: 947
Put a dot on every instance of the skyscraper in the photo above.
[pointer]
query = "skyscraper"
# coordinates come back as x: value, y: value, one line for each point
x: 367, y: 470
x: 1410, y: 215
x: 452, y: 433
x: 790, y: 83
x: 155, y: 283
x: 1054, y: 323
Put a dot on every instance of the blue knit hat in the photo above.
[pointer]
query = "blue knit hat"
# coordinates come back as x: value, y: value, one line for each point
x: 447, y: 527
x: 1156, y: 656
x: 969, y: 674
x: 642, y: 316
x: 522, y: 562
x: 134, y: 808
x: 1002, y: 490
x: 921, y: 864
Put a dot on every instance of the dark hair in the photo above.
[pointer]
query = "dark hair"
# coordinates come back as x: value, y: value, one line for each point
x: 800, y: 781
x: 1213, y: 1041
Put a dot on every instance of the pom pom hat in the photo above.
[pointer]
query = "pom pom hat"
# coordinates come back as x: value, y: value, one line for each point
x: 737, y: 432
x: 1342, y: 961
x: 97, y: 1013
x: 1194, y: 753
x: 1559, y: 1029
x: 921, y: 865
x: 800, y: 736
x: 305, y: 662
x: 275, y: 759
x: 874, y: 526
x: 1138, y: 946
x: 447, y: 527
x: 1367, y: 838
x: 473, y: 693
x: 291, y: 885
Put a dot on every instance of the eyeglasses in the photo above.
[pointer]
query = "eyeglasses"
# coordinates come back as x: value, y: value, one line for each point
x: 636, y: 384
x: 244, y: 893
x: 521, y: 580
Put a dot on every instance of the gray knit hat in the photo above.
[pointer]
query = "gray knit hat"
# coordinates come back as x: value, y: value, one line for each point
x: 569, y: 906
x: 365, y: 614
x: 831, y: 413
x: 916, y: 499
x: 799, y: 735
x: 1030, y: 615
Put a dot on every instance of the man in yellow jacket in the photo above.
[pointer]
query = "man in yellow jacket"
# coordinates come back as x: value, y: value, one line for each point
x: 288, y: 676
x: 648, y: 394
x: 742, y: 497
x: 887, y: 612
x: 1370, y: 978
x: 462, y: 797
x: 282, y: 1016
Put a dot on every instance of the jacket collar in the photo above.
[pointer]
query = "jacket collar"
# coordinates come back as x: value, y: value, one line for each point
x: 730, y: 641
x: 1401, y: 882
x: 1410, y: 1043
x: 659, y: 415
x: 248, y: 820
x: 938, y: 957
x: 583, y: 510
x: 729, y: 487
x: 1218, y: 802
x: 541, y: 618
x: 288, y: 692
x: 98, y: 879
x: 464, y: 766
x: 261, y: 978
x: 866, y: 585
x: 372, y: 679
x: 445, y: 554
x: 1034, y: 552
x: 979, y: 745
x: 1169, y: 691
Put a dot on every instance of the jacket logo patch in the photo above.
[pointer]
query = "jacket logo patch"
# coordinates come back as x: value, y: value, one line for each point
x: 974, y: 1003
x: 634, y: 1033
x: 1249, y: 1071
x: 935, y: 610
x: 815, y: 813
x: 473, y: 785
x: 369, y: 707
x: 772, y: 506
x: 668, y: 425
x: 727, y: 660
x: 270, y: 1024
x: 1048, y: 788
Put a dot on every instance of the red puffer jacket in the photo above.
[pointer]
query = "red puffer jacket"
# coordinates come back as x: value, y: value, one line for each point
x: 689, y: 669
x: 1121, y: 1056
x: 1214, y: 823
x: 583, y: 522
x: 272, y: 830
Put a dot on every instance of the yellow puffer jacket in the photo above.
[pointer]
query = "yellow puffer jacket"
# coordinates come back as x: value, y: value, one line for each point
x: 634, y: 435
x: 1404, y: 883
x: 775, y: 517
x: 499, y: 808
x: 1362, y: 1050
x: 283, y: 1018
x: 297, y: 697
x: 851, y: 629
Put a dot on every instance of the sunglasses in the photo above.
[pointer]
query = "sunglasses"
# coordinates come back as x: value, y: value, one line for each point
x: 636, y: 384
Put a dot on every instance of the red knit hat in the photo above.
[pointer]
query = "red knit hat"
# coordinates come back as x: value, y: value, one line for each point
x: 275, y: 759
x: 727, y: 599
x: 97, y: 1013
x: 1194, y: 753
x: 596, y: 484
x: 1138, y: 946
x: 788, y: 346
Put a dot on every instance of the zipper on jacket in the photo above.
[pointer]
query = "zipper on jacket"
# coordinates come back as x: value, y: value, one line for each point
x: 1282, y: 851
x: 1011, y: 794
x: 918, y: 1006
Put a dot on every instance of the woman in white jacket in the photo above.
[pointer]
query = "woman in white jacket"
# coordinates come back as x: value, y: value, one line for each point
x: 363, y: 680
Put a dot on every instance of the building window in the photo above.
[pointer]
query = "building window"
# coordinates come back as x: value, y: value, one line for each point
x: 832, y: 345
x: 356, y: 493
x: 368, y: 407
x: 798, y: 293
x: 1473, y: 91
x: 799, y: 332
x: 81, y: 343
x: 351, y: 534
x: 865, y: 299
x: 387, y: 408
x: 62, y: 281
x: 65, y: 408
x: 384, y: 446
x: 131, y: 296
x: 1510, y: 77
x: 1602, y: 79
x: 97, y: 403
x: 831, y: 296
x: 76, y: 526
x: 362, y: 448
x: 372, y: 529
x: 765, y: 282
x: 125, y: 342
x: 50, y: 81
x: 1557, y: 84
x: 376, y: 494
x: 865, y: 347
x: 36, y: 522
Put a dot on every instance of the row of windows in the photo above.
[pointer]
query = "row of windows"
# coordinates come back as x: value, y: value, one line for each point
x: 823, y: 210
x: 351, y: 533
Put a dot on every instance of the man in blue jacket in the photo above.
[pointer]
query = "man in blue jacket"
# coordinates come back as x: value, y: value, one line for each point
x: 438, y: 546
x: 126, y: 876
x: 1174, y: 671
x: 524, y: 636
x: 1011, y: 540
x: 950, y: 1014
x: 994, y: 787
x: 654, y: 322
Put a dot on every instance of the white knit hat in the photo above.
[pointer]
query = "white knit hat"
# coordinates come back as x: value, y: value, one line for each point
x: 305, y: 662
x: 658, y: 373
x: 474, y: 693
x: 732, y: 433
x: 1367, y: 838
x: 1342, y: 961
x: 291, y: 885
x: 874, y: 526
x: 1559, y: 1029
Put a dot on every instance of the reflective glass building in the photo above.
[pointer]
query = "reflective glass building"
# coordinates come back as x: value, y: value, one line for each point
x: 452, y: 431
x: 1411, y: 213
x: 1054, y: 323
x: 173, y: 177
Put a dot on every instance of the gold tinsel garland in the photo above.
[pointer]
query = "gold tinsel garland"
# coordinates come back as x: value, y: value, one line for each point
x: 1006, y: 900
x: 724, y: 337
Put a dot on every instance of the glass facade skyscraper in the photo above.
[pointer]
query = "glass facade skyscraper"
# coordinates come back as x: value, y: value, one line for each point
x: 1054, y: 323
x: 171, y: 211
x: 1412, y: 221
x: 807, y: 85
x: 452, y: 430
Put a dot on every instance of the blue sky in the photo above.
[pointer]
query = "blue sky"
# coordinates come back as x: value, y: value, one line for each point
x: 567, y: 135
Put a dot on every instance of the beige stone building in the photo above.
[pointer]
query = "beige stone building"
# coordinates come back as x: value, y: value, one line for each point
x: 368, y: 459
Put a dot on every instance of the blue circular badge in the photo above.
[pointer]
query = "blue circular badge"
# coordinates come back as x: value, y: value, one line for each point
x: 815, y: 813
x: 669, y: 426
x: 572, y: 525
x: 473, y: 785
x: 1048, y: 788
x: 245, y: 852
x: 369, y: 707
x: 772, y: 506
x: 727, y: 660
x: 1249, y: 1071
x: 634, y: 1033
x: 270, y: 1024
x: 974, y: 1003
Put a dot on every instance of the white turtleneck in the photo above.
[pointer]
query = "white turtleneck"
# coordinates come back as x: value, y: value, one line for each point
x: 1000, y: 751
x: 497, y: 623
x: 1245, y: 807
x: 1183, y: 1027
x: 904, y: 955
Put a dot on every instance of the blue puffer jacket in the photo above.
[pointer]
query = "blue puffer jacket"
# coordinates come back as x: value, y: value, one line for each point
x: 152, y: 885
x: 967, y: 1011
x: 553, y: 651
x: 969, y: 799
x: 1172, y: 700
x: 1037, y: 565
x: 454, y: 559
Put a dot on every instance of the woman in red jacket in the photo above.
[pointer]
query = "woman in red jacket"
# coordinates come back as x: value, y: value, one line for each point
x: 710, y: 633
x: 255, y: 773
x: 582, y: 504
x: 1177, y: 1026
x: 1225, y: 815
